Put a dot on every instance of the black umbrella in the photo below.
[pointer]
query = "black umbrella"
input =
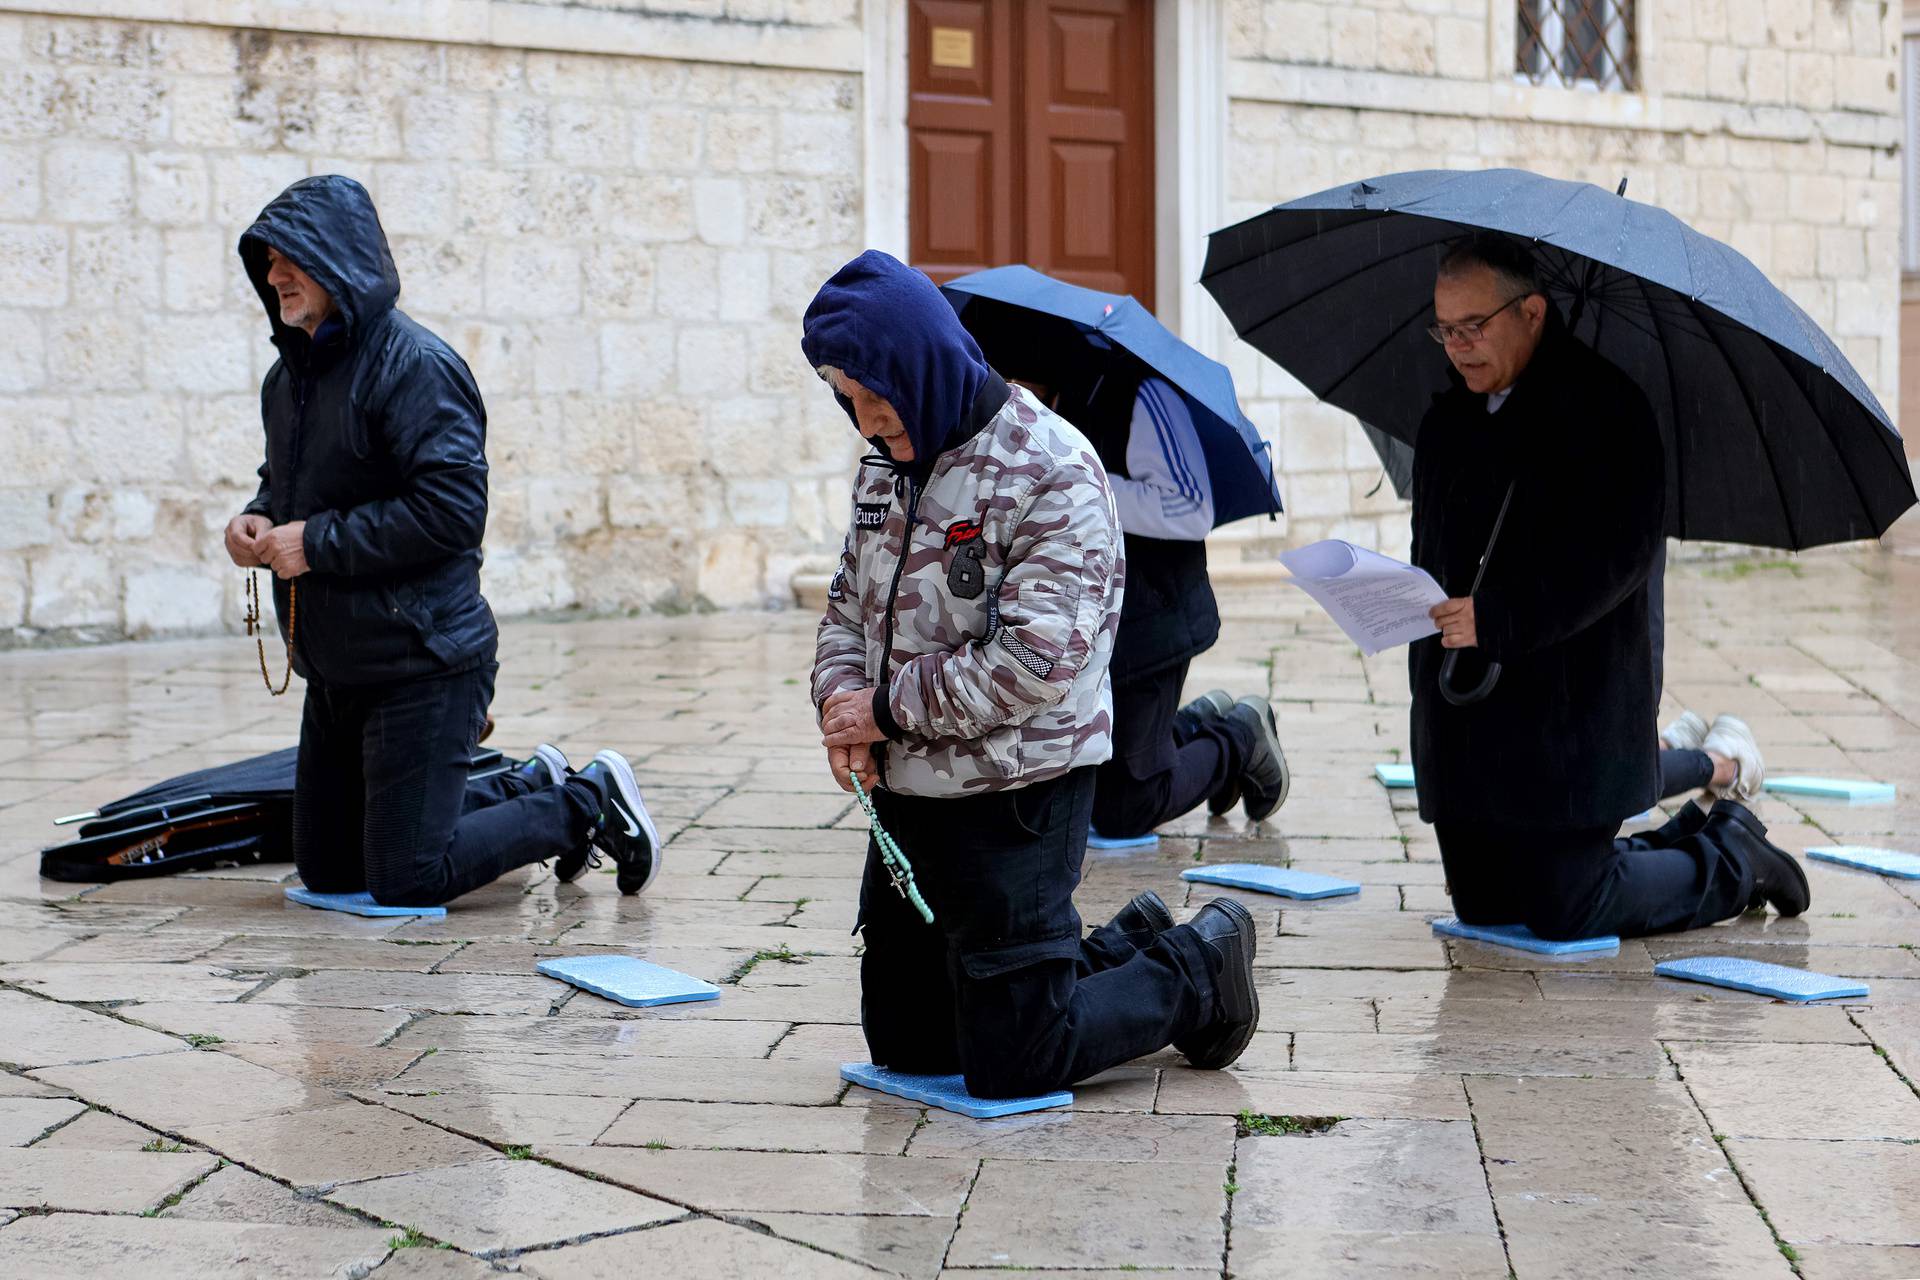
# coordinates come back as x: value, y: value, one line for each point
x: 230, y: 814
x: 1771, y: 436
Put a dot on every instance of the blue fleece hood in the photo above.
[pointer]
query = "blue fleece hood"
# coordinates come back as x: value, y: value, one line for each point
x: 328, y: 228
x: 887, y: 327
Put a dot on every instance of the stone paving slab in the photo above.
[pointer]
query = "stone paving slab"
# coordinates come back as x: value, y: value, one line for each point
x: 762, y: 1127
x: 779, y: 1182
x: 65, y: 1246
x: 24, y: 1121
x: 1800, y: 1091
x: 102, y: 1131
x: 97, y: 1181
x: 710, y: 1249
x: 346, y: 1143
x: 173, y: 1090
x: 1037, y: 1214
x: 686, y: 1079
x: 645, y: 1037
x: 502, y: 1205
x: 233, y: 1194
x: 43, y: 1033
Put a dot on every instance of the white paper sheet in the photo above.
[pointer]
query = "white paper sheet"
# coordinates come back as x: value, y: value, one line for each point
x: 1378, y: 601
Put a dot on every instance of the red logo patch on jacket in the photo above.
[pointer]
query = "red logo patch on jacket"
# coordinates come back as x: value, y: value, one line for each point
x: 961, y: 532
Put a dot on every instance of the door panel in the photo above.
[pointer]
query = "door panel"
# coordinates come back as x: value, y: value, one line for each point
x: 961, y: 123
x: 1032, y: 138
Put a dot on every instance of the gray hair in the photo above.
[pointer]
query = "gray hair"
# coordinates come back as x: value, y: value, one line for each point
x: 1511, y: 261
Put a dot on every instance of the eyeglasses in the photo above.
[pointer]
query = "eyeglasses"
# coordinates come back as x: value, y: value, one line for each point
x: 1471, y: 330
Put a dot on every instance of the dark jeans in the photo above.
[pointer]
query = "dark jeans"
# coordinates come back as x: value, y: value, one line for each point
x: 381, y: 800
x: 1165, y: 762
x: 1001, y: 987
x: 1586, y: 883
x: 1683, y: 771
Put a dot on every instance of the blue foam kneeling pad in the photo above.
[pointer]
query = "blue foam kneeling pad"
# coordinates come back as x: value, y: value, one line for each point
x: 1831, y: 788
x: 1760, y: 977
x: 1395, y: 777
x: 1523, y: 938
x: 1888, y: 862
x: 1284, y: 881
x: 1097, y: 841
x: 359, y: 904
x: 637, y: 984
x: 949, y: 1093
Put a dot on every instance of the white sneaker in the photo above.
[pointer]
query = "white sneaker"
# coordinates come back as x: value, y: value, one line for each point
x: 1731, y: 738
x: 1686, y: 733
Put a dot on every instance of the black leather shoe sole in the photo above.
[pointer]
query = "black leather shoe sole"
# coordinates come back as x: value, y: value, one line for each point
x: 1221, y: 1043
x: 1266, y: 781
x: 1778, y: 878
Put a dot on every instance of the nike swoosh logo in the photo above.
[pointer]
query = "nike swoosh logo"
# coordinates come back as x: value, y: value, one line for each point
x: 633, y: 828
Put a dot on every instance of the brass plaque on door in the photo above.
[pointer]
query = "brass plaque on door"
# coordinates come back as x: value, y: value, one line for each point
x: 953, y: 47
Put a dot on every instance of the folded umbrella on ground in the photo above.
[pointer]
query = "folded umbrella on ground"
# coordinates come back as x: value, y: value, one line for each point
x: 231, y: 814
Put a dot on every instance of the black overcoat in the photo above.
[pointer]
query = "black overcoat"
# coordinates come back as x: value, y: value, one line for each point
x: 1567, y: 738
x: 376, y: 437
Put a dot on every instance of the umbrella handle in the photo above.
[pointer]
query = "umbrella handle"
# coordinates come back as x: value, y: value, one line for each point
x: 1467, y: 697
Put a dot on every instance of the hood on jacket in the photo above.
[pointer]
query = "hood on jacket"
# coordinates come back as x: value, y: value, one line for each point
x: 887, y: 327
x: 328, y: 228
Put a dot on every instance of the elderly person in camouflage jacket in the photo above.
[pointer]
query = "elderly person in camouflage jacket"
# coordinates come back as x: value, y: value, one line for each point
x: 961, y: 672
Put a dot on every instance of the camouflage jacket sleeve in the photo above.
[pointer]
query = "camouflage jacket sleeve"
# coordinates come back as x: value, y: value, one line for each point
x: 840, y: 645
x: 1056, y: 593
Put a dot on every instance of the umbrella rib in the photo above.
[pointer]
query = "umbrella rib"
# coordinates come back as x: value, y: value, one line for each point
x: 1766, y: 446
x: 1673, y: 407
x: 1378, y: 347
x: 1334, y: 284
x: 1866, y: 507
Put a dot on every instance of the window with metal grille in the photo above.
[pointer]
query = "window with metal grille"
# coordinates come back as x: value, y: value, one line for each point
x: 1585, y: 44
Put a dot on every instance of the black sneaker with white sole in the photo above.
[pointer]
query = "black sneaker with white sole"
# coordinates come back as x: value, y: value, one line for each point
x: 623, y: 830
x: 546, y: 767
x: 1264, y: 781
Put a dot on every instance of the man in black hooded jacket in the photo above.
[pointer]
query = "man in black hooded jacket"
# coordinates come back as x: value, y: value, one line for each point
x: 372, y: 502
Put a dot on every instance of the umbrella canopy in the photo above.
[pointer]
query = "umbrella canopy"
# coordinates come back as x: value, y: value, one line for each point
x: 1772, y: 438
x: 1239, y: 462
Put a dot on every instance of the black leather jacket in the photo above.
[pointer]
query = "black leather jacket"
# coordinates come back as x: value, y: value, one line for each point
x: 376, y: 437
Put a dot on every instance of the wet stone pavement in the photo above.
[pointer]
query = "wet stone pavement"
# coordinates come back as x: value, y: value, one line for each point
x: 202, y: 1080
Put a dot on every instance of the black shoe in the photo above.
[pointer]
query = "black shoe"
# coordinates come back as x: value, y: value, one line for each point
x: 1226, y: 929
x: 1214, y: 704
x: 1778, y: 879
x: 1264, y: 781
x: 1143, y: 919
x: 623, y: 829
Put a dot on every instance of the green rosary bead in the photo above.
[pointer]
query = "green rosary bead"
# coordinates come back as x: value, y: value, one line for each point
x: 890, y: 852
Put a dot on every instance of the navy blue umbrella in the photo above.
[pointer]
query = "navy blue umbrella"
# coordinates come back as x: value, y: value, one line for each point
x: 1772, y: 438
x: 1239, y: 462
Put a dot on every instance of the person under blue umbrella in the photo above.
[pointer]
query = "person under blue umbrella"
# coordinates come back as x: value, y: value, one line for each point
x: 1167, y: 759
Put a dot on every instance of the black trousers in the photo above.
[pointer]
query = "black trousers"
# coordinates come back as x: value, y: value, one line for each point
x: 1001, y: 988
x: 381, y: 801
x: 1165, y: 762
x: 1566, y: 884
x: 1683, y: 771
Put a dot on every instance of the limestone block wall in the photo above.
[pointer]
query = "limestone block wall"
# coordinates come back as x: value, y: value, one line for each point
x: 1771, y: 124
x: 620, y: 245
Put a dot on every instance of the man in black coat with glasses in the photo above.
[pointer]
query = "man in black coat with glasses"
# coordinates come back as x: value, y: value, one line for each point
x: 1528, y: 786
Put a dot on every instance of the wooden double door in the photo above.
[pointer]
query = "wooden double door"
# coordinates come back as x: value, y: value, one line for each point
x: 1030, y: 126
